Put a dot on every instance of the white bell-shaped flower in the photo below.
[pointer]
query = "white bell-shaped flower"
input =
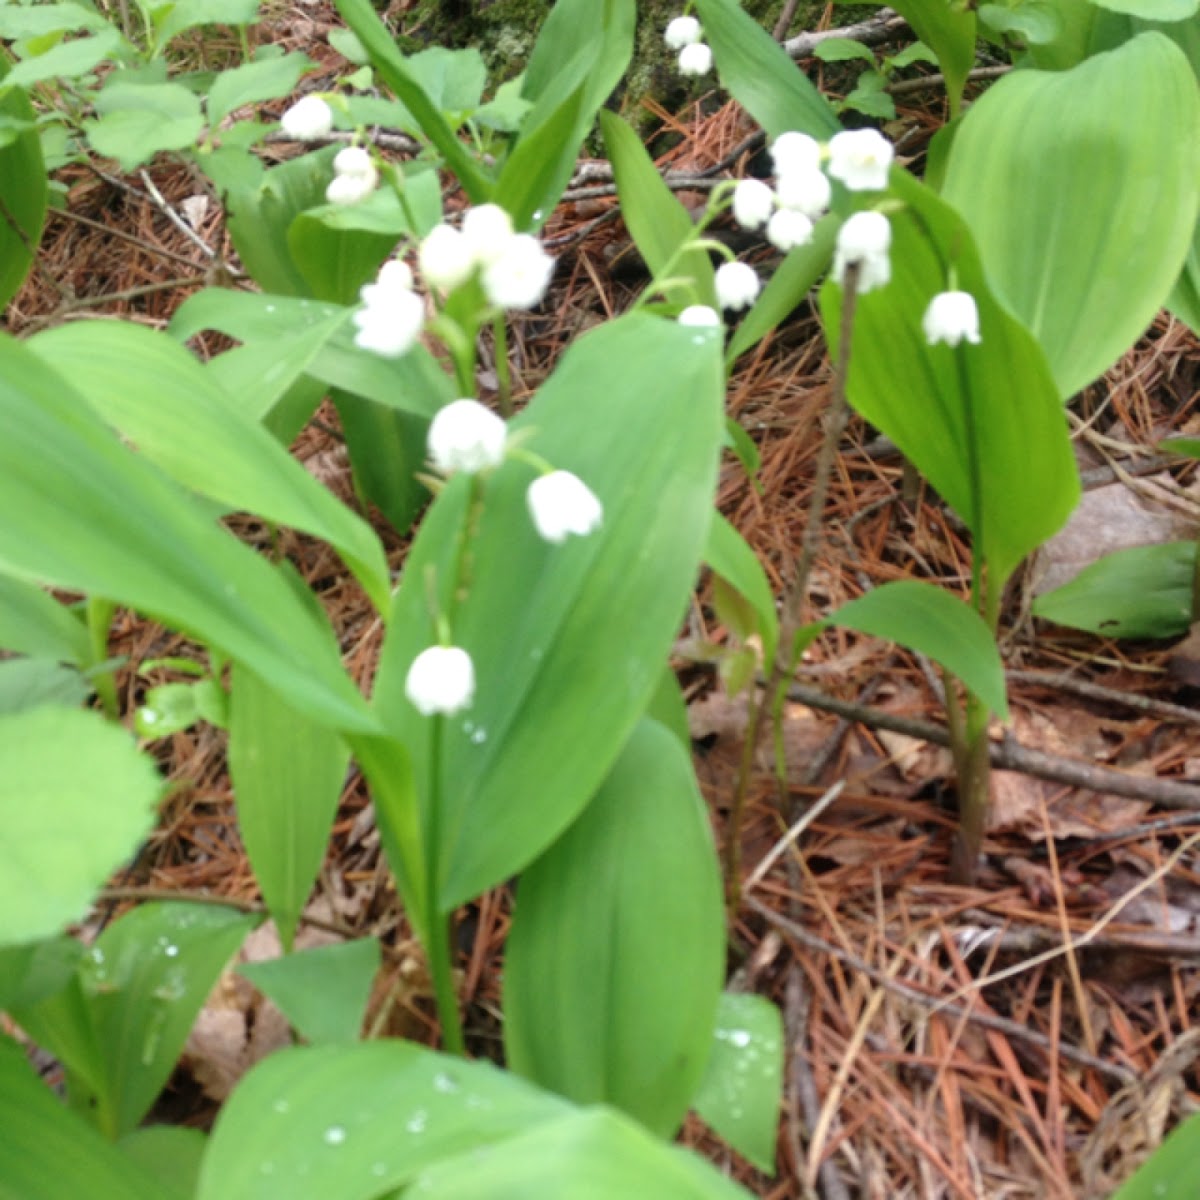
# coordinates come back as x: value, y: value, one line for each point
x: 519, y: 275
x: 952, y: 317
x: 807, y: 191
x: 308, y: 119
x: 700, y: 316
x: 753, y: 203
x: 487, y: 229
x: 354, y: 178
x: 696, y: 59
x: 682, y: 31
x: 445, y: 258
x: 392, y: 315
x: 561, y: 504
x: 441, y: 681
x: 788, y: 229
x: 794, y: 152
x: 737, y: 285
x: 864, y: 240
x: 465, y: 436
x: 860, y: 158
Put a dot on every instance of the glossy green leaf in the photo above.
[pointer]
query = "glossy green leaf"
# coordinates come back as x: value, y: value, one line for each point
x: 567, y: 640
x: 1172, y: 1172
x: 33, y: 971
x: 949, y: 31
x: 69, y: 59
x: 146, y: 978
x: 137, y: 120
x: 252, y: 82
x: 19, y: 21
x: 358, y: 1121
x: 742, y: 1088
x: 983, y: 423
x: 1066, y: 179
x: 1146, y: 591
x: 84, y: 512
x: 728, y: 555
x: 33, y: 622
x: 324, y: 991
x: 1034, y: 24
x: 598, y: 1005
x: 657, y: 221
x: 668, y: 707
x: 336, y: 262
x: 288, y: 773
x: 27, y: 683
x: 171, y: 1154
x: 759, y: 74
x: 70, y: 818
x: 22, y: 194
x: 49, y: 1153
x: 596, y: 1154
x: 157, y: 395
x: 1153, y: 10
x: 393, y: 70
x: 927, y: 618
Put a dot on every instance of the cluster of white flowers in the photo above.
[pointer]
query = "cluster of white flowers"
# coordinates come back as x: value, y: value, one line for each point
x: 513, y: 268
x: 354, y: 176
x: 465, y: 436
x: 685, y: 35
x: 392, y: 314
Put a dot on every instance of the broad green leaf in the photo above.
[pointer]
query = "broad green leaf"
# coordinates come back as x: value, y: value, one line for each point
x: 31, y: 972
x: 741, y: 1092
x: 1153, y: 10
x: 69, y: 60
x: 840, y: 49
x: 189, y: 14
x: 1172, y: 1172
x: 394, y: 71
x: 1066, y: 179
x: 728, y: 555
x: 252, y: 82
x: 1143, y: 592
x: 171, y: 707
x: 358, y: 1121
x: 949, y: 31
x: 170, y: 1153
x: 33, y: 622
x: 983, y: 423
x: 77, y: 798
x: 157, y: 395
x: 49, y: 1153
x: 657, y: 221
x: 1184, y: 300
x: 567, y: 640
x: 146, y: 978
x: 336, y: 262
x: 1187, y: 446
x: 598, y: 1005
x: 84, y: 512
x: 929, y: 619
x: 668, y: 707
x: 759, y: 74
x: 22, y: 193
x: 452, y: 79
x: 595, y: 1154
x: 137, y: 120
x: 790, y: 282
x: 27, y: 683
x: 1035, y: 24
x: 18, y: 21
x: 288, y: 773
x: 324, y: 991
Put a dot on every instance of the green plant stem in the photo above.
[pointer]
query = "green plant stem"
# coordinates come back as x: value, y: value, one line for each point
x: 792, y: 617
x: 99, y: 622
x: 503, y: 376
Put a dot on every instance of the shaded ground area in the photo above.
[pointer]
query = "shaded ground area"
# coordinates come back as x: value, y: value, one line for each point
x: 1029, y: 1036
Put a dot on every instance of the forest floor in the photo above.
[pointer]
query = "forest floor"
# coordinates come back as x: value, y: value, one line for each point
x: 1032, y: 1035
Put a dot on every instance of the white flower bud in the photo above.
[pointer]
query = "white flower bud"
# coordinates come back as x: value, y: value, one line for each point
x: 700, y: 316
x: 355, y: 161
x: 465, y: 436
x: 308, y: 119
x: 696, y: 59
x: 562, y: 504
x: 753, y: 203
x: 788, y: 229
x: 487, y: 229
x: 737, y: 285
x: 951, y: 317
x: 794, y: 152
x: 445, y: 258
x: 519, y: 275
x: 441, y: 681
x: 864, y: 240
x: 682, y: 31
x: 860, y: 158
x: 807, y: 191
